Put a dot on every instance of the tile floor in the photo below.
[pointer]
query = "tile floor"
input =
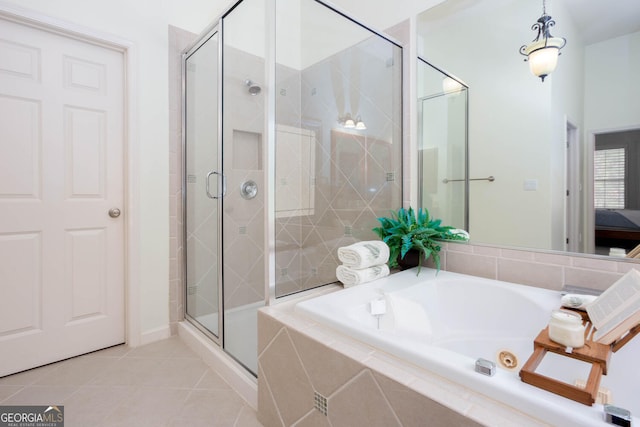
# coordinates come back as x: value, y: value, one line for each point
x: 159, y: 384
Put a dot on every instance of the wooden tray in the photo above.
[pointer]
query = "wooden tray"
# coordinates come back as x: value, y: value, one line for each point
x: 596, y: 354
x: 593, y: 352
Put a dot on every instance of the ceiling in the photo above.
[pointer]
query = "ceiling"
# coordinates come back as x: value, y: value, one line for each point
x: 382, y: 14
x: 600, y: 20
x: 597, y: 20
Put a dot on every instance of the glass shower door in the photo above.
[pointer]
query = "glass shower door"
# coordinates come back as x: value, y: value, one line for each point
x: 244, y: 144
x: 203, y: 186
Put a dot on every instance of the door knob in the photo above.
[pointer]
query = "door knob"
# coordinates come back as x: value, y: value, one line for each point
x: 114, y: 213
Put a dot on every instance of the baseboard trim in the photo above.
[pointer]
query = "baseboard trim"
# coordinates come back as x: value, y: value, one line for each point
x: 154, y: 335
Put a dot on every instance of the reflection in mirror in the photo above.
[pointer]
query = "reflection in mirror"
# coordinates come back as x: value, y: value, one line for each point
x: 442, y: 145
x: 616, y: 191
x: 539, y: 139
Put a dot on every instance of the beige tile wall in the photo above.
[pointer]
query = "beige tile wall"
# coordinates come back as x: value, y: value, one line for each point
x: 243, y: 220
x: 540, y: 269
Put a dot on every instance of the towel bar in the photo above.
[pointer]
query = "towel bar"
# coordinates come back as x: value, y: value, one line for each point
x: 489, y: 178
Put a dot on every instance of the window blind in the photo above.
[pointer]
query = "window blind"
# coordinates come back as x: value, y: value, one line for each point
x: 609, y: 172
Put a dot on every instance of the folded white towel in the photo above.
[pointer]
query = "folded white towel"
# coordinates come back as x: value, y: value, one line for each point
x: 351, y: 277
x: 364, y: 254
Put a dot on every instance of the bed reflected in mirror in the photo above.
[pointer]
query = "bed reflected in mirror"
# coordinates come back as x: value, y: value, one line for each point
x: 616, y: 193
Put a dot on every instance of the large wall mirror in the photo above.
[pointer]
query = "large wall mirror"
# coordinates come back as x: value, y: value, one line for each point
x: 564, y: 152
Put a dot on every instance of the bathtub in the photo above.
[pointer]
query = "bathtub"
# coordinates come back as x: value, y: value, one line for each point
x: 445, y: 322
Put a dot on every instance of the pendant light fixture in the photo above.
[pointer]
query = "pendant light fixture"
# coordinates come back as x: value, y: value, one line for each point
x: 543, y: 52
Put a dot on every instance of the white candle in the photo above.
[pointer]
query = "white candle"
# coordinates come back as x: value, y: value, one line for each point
x: 566, y: 328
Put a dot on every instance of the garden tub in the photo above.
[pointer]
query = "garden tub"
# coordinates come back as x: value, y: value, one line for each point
x: 445, y: 322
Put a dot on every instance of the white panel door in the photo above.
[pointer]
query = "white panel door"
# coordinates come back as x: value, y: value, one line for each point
x: 61, y: 171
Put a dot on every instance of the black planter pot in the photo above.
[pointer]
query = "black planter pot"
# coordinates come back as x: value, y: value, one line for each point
x: 411, y: 259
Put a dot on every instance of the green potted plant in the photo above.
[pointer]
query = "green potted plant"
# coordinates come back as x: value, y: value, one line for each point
x: 407, y: 231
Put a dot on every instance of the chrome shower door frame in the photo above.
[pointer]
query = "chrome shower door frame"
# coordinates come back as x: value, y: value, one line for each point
x: 216, y: 28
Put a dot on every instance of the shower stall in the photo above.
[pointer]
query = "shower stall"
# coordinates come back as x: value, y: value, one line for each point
x: 292, y: 134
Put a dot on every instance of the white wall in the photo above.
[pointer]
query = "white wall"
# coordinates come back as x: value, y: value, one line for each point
x: 513, y: 134
x: 195, y: 15
x: 612, y: 91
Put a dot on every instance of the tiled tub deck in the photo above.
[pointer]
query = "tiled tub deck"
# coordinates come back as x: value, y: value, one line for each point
x: 311, y: 375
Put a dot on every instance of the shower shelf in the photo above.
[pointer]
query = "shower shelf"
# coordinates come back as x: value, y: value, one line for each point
x: 593, y: 352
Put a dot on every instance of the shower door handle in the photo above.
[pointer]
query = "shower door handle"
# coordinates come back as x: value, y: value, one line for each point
x: 209, y: 195
x: 224, y: 185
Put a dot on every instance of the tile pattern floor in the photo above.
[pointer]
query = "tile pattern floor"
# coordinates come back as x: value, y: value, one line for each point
x: 159, y: 384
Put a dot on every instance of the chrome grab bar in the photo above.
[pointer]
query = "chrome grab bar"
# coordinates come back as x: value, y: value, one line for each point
x: 224, y: 185
x: 489, y: 178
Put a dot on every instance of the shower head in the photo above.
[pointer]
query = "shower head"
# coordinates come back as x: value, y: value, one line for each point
x: 254, y: 89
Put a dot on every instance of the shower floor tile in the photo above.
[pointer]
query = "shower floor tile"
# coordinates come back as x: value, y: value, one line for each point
x: 159, y: 384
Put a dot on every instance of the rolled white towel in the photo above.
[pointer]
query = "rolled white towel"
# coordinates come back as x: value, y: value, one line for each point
x: 351, y: 277
x: 364, y: 254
